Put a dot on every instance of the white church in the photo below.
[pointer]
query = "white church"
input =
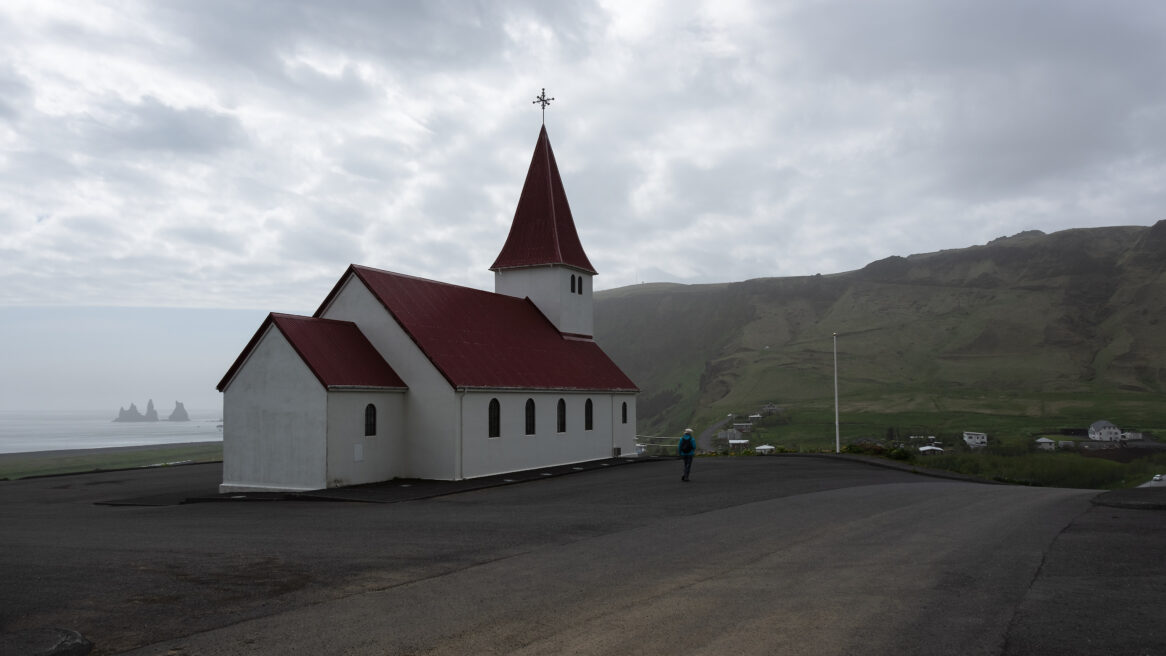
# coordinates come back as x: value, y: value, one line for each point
x: 400, y: 377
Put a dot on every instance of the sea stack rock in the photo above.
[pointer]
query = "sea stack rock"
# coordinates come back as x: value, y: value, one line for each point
x: 151, y: 413
x: 179, y: 413
x: 129, y: 415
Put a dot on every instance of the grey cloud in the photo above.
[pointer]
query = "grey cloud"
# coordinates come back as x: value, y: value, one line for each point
x: 861, y: 130
x: 14, y: 92
x: 346, y: 88
x: 151, y: 125
x: 372, y: 158
x: 35, y: 167
x: 251, y: 40
x: 314, y: 244
x: 201, y: 237
x: 1020, y: 93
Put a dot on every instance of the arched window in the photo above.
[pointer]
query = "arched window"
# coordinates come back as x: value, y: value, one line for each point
x: 587, y: 416
x: 530, y: 416
x: 572, y: 283
x: 580, y: 284
x: 495, y: 418
x: 370, y: 420
x: 561, y: 425
x: 625, y: 412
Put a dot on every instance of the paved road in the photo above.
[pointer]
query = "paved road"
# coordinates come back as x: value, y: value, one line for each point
x: 755, y: 556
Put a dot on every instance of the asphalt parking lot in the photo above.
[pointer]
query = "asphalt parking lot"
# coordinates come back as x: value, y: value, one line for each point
x: 757, y: 555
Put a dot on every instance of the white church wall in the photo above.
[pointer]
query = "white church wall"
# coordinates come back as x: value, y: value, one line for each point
x: 550, y: 289
x: 513, y: 450
x: 353, y: 457
x: 274, y: 415
x: 623, y: 434
x: 430, y: 414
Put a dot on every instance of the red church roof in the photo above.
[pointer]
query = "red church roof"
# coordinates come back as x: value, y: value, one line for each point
x: 338, y: 354
x: 480, y: 339
x: 543, y: 231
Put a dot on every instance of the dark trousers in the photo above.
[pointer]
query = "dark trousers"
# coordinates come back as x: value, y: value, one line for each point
x: 687, y: 465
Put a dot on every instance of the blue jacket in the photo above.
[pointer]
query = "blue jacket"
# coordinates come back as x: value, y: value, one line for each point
x: 680, y: 445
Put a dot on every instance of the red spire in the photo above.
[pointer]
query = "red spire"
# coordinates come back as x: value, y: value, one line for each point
x: 543, y: 231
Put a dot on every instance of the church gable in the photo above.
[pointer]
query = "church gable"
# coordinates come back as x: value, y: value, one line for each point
x: 479, y: 339
x: 336, y: 353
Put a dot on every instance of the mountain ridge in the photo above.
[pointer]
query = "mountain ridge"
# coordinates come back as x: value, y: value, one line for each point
x: 1056, y: 326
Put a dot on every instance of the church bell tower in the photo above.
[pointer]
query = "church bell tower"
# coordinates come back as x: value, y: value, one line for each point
x: 542, y: 258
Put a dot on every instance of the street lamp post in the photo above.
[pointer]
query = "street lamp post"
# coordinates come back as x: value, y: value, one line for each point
x: 837, y: 435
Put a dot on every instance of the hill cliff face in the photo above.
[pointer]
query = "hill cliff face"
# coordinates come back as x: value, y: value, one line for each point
x: 1032, y: 324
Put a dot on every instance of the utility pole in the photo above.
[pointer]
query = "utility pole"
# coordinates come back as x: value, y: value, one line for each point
x: 837, y: 434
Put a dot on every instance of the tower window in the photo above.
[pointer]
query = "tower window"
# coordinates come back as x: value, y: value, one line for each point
x: 530, y: 417
x: 588, y: 424
x: 572, y: 283
x: 561, y: 425
x: 580, y: 285
x: 624, y: 412
x: 495, y: 418
x: 370, y: 420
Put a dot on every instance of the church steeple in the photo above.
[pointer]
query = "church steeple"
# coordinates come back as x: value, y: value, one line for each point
x: 542, y: 258
x: 543, y: 231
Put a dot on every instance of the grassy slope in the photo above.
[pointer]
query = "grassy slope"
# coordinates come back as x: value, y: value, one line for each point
x: 1028, y: 333
x: 44, y: 463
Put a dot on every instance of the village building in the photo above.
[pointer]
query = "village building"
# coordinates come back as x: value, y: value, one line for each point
x: 401, y: 377
x: 1045, y: 444
x: 975, y: 440
x: 1104, y: 431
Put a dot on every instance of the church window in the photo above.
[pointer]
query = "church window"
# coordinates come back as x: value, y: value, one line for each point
x: 588, y: 424
x: 495, y: 418
x: 530, y: 417
x: 562, y: 416
x: 572, y: 283
x: 580, y: 285
x: 370, y: 420
x: 624, y: 412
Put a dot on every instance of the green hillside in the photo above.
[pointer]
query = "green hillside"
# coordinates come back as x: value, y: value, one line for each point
x: 1028, y: 333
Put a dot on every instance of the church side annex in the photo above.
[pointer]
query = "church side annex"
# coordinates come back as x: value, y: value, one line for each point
x: 400, y: 377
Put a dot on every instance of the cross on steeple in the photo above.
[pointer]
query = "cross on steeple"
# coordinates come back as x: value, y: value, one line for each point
x: 542, y: 99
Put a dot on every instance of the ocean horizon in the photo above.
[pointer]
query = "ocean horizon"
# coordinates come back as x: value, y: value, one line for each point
x: 23, y: 431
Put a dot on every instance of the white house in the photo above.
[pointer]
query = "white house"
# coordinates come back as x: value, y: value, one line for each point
x: 397, y: 376
x: 1045, y: 444
x: 1104, y: 431
x: 975, y: 440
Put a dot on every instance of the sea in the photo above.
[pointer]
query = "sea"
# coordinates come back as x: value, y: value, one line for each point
x: 22, y: 431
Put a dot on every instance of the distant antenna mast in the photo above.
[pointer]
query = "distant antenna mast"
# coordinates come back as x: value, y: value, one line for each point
x: 542, y: 99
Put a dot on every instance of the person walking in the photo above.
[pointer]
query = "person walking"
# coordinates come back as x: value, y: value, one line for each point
x: 686, y: 448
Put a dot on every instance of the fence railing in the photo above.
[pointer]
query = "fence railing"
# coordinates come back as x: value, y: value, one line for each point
x: 656, y: 445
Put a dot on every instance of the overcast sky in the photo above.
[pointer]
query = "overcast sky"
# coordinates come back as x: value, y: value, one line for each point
x: 240, y: 155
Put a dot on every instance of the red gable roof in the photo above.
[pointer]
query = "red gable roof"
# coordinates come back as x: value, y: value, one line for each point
x: 336, y: 351
x: 480, y: 339
x: 543, y: 231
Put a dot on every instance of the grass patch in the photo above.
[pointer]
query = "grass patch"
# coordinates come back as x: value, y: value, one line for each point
x: 45, y: 463
x: 1056, y: 469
